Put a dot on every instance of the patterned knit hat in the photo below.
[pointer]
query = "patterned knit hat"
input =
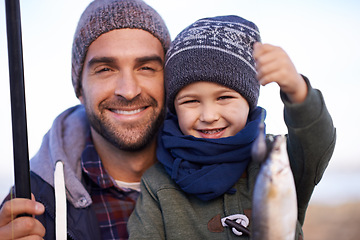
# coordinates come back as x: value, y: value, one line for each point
x: 102, y: 16
x: 216, y: 50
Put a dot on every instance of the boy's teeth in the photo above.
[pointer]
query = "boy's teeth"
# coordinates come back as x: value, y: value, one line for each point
x: 212, y: 131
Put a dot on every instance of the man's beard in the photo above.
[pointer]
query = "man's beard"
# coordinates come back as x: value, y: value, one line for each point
x: 132, y: 137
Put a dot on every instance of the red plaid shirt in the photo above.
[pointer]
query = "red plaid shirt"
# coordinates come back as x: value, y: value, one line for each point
x: 112, y: 205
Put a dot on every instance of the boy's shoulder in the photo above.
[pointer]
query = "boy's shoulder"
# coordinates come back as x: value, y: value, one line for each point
x: 157, y: 178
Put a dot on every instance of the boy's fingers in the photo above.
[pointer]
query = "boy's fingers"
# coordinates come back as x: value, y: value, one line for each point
x: 257, y: 50
x: 269, y: 78
x: 268, y: 65
x: 261, y: 48
x: 257, y: 45
x: 267, y: 52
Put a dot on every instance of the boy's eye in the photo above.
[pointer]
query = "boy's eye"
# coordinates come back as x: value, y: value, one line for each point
x: 225, y: 97
x: 190, y: 101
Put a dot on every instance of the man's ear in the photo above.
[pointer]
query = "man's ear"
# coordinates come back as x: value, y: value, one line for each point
x: 81, y: 99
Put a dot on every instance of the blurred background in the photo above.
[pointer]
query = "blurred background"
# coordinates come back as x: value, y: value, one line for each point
x: 322, y: 38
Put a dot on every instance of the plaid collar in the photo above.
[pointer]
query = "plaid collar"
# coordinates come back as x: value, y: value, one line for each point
x: 112, y: 204
x: 91, y: 164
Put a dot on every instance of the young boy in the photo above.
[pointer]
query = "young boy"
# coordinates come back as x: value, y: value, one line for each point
x: 213, y: 73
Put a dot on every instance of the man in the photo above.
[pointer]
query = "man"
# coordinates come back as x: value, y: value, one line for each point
x: 105, y: 144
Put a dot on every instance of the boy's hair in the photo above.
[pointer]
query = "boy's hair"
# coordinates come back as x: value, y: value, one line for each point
x: 102, y: 16
x: 216, y: 50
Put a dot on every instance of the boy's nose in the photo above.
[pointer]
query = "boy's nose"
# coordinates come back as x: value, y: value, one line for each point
x: 127, y: 85
x: 209, y: 114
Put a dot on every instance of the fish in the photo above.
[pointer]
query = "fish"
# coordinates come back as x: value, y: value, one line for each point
x: 274, y: 202
x: 259, y: 148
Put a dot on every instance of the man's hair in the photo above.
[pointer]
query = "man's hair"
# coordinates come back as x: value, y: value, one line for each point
x: 102, y: 16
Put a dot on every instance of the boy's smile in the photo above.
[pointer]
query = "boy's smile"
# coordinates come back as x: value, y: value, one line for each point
x: 210, y: 110
x: 212, y: 133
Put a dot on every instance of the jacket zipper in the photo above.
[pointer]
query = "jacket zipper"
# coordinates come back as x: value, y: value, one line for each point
x: 69, y: 234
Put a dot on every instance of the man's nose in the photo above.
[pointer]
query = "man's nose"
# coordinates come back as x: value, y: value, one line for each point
x: 127, y: 85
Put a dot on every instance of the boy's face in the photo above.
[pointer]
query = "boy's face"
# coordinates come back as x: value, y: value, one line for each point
x: 210, y: 110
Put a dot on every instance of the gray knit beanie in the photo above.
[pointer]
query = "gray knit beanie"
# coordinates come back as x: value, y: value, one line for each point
x: 102, y: 16
x: 216, y: 50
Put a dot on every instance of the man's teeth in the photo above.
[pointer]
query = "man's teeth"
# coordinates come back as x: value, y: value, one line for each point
x: 123, y: 112
x: 212, y: 131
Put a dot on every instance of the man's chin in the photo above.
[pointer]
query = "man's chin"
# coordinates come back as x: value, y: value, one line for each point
x: 129, y: 137
x: 135, y: 144
x: 133, y: 147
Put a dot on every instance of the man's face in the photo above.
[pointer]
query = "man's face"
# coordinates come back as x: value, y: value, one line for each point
x: 123, y: 87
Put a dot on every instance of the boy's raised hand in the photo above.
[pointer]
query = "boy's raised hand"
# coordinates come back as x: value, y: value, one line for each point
x: 274, y: 65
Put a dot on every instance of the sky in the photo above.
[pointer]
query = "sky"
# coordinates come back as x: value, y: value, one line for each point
x: 321, y: 37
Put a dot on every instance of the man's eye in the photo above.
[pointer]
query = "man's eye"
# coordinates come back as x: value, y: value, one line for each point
x: 147, y: 68
x: 105, y: 69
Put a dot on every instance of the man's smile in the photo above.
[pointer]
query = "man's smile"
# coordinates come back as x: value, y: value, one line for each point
x: 128, y: 112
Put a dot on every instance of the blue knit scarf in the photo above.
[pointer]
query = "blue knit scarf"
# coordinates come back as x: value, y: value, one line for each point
x: 206, y: 168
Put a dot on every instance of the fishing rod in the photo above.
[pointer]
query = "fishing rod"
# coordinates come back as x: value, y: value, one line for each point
x: 18, y: 107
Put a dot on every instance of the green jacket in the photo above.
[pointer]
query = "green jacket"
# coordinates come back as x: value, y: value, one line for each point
x: 164, y: 211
